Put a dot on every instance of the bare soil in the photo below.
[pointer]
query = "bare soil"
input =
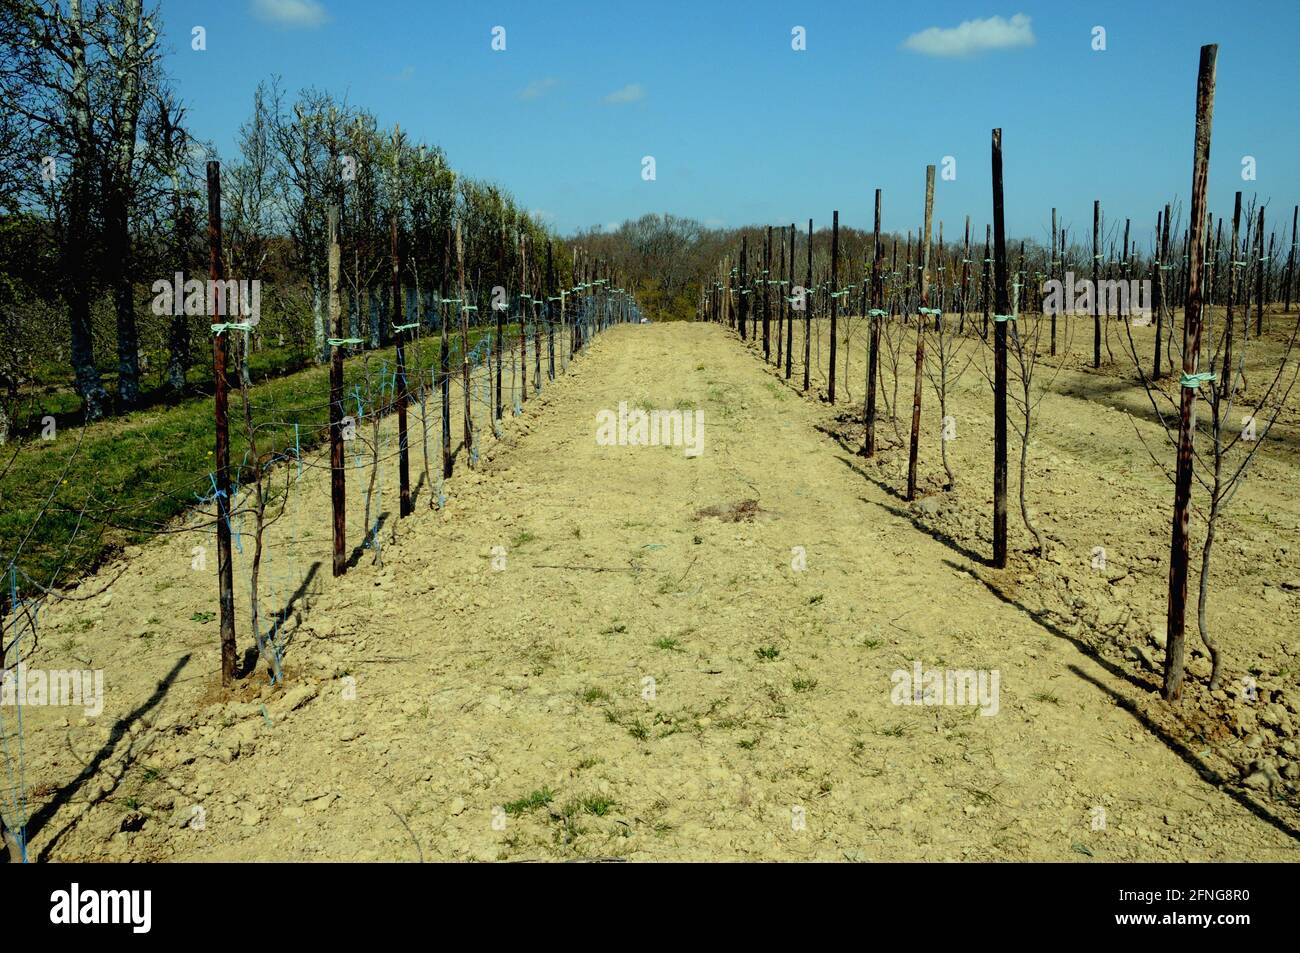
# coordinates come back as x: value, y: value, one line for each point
x: 442, y: 704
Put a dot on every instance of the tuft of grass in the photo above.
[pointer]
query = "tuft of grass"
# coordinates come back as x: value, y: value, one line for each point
x: 767, y: 653
x: 638, y: 730
x: 892, y: 731
x: 1048, y: 697
x: 203, y: 618
x: 594, y: 694
x: 803, y: 684
x: 522, y: 538
x: 668, y: 644
x: 539, y: 798
x: 597, y: 805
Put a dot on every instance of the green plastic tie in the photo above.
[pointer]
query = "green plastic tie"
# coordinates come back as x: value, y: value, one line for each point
x: 877, y: 313
x: 399, y: 328
x: 345, y: 342
x: 1193, y: 381
x: 1004, y: 317
x: 232, y: 326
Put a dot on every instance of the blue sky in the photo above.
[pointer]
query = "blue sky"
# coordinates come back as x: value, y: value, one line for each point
x: 744, y: 129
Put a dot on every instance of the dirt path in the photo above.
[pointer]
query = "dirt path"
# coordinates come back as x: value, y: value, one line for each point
x: 428, y: 693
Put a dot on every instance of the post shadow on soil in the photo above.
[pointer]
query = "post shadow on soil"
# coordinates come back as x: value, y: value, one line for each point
x: 1206, y: 773
x: 933, y: 532
x: 848, y: 462
x: 42, y: 817
x: 248, y: 664
x: 361, y: 548
x: 1043, y: 620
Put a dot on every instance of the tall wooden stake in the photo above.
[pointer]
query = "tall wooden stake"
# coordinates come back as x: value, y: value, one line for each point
x: 807, y: 313
x: 1096, y: 304
x: 1290, y: 258
x: 403, y: 448
x: 464, y: 349
x: 789, y: 314
x: 914, y: 448
x: 1001, y: 316
x: 1179, y: 549
x: 743, y: 289
x: 835, y: 298
x: 877, y: 289
x: 225, y: 567
x: 767, y: 300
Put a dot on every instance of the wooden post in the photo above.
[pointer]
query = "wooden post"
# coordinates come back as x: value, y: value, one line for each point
x: 835, y: 300
x: 1052, y: 262
x: 807, y: 313
x: 1290, y: 258
x: 500, y: 342
x: 965, y: 279
x: 1259, y: 276
x: 220, y: 403
x: 767, y: 300
x: 403, y: 448
x: 1179, y: 548
x: 338, y: 469
x: 1096, y: 306
x: 550, y: 322
x: 869, y: 414
x: 1000, y: 318
x: 1225, y: 385
x: 523, y: 309
x: 789, y: 323
x: 924, y: 243
x: 444, y: 362
x: 1162, y: 255
x: 781, y: 302
x: 984, y: 278
x: 743, y: 290
x: 464, y: 350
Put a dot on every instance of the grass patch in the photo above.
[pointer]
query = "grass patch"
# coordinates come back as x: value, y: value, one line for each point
x: 145, y: 468
x: 539, y: 798
x: 767, y: 653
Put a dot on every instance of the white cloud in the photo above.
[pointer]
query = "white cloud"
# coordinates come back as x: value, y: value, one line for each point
x: 973, y: 36
x: 538, y: 88
x: 628, y: 94
x: 291, y: 12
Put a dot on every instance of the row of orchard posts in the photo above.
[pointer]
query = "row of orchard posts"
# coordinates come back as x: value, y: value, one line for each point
x: 739, y: 298
x: 594, y: 304
x: 1242, y: 270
